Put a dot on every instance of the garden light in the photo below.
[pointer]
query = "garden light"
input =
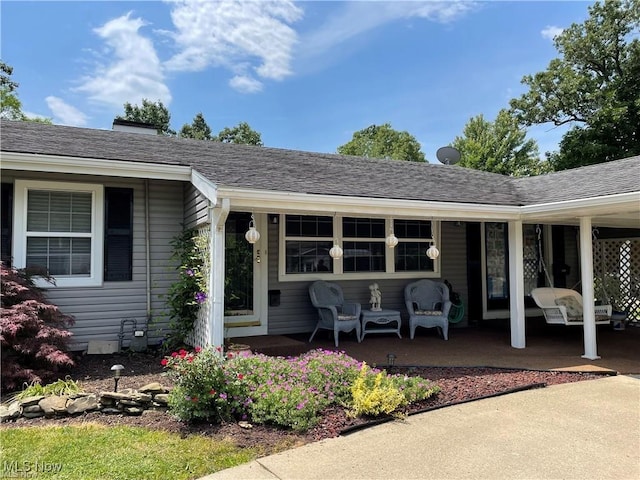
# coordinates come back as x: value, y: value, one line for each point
x: 116, y: 369
x: 391, y: 359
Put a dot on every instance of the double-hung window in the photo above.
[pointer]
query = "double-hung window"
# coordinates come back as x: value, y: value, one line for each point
x: 59, y: 228
x: 307, y: 240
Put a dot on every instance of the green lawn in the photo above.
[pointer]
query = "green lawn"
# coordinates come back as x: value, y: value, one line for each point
x: 97, y: 452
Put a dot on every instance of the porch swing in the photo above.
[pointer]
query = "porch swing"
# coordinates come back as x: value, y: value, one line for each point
x: 563, y: 306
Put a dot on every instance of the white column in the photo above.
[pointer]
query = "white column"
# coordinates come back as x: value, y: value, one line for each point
x: 516, y: 285
x: 218, y: 217
x: 588, y: 300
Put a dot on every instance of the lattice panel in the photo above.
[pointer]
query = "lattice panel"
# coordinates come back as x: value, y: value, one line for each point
x: 620, y: 260
x: 202, y: 330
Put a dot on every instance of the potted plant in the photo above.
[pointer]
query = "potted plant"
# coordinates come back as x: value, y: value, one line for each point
x: 611, y: 291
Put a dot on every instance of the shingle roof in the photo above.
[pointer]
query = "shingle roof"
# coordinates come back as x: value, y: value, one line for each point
x: 244, y: 166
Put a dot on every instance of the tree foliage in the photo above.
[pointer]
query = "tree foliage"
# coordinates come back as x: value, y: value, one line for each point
x: 198, y: 129
x: 33, y: 332
x: 594, y: 86
x: 153, y: 113
x: 241, y: 133
x: 383, y: 142
x: 10, y: 104
x: 499, y: 147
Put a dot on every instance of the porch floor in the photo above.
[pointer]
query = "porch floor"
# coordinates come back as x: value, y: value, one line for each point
x: 489, y: 344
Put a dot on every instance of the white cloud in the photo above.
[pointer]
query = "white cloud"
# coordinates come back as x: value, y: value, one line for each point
x: 134, y: 72
x: 245, y: 84
x: 356, y: 18
x: 550, y: 32
x: 64, y: 113
x: 233, y: 33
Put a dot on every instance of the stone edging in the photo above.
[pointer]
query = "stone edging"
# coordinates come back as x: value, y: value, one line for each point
x: 128, y: 402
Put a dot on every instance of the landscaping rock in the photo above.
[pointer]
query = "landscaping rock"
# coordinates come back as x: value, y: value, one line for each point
x: 53, y: 405
x: 153, y: 387
x: 10, y: 412
x: 161, y: 398
x: 111, y: 410
x: 82, y: 404
x: 28, y: 401
x: 115, y: 395
x: 130, y: 403
x: 32, y: 409
x: 37, y: 414
x: 133, y: 410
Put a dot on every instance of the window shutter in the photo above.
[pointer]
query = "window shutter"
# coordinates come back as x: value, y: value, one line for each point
x: 118, y: 241
x: 6, y: 206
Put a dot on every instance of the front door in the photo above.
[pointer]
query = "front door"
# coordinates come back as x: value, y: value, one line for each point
x: 244, y: 312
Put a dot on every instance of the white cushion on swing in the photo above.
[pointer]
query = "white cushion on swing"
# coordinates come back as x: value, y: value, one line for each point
x: 573, y: 306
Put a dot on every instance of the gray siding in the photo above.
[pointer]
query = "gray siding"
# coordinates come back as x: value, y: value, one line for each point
x: 195, y: 207
x: 571, y: 257
x: 98, y: 311
x: 295, y: 314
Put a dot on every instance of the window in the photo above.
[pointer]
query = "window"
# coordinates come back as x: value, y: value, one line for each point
x: 308, y: 239
x: 414, y: 239
x: 58, y: 227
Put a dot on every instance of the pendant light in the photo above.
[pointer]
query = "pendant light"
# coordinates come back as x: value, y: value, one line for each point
x: 391, y: 239
x: 433, y: 252
x: 252, y: 234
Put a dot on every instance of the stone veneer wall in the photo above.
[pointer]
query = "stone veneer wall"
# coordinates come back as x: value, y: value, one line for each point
x: 128, y: 402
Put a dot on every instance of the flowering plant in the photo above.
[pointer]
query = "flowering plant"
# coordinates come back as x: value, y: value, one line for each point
x: 189, y: 291
x: 203, y: 389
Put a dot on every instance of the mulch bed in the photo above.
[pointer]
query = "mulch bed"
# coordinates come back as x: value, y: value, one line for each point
x: 458, y: 384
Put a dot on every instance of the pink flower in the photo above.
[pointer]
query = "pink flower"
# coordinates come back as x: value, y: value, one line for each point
x: 198, y: 349
x: 164, y: 362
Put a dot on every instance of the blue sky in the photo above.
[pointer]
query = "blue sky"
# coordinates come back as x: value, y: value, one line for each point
x: 306, y: 75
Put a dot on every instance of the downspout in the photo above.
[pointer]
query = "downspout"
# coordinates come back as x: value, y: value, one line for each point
x: 147, y: 231
x: 218, y: 217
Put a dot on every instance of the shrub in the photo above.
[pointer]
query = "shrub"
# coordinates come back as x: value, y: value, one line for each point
x: 33, y: 332
x: 292, y: 392
x: 375, y: 393
x: 203, y: 390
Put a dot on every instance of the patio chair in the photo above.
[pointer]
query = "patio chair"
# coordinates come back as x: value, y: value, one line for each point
x: 563, y: 306
x: 428, y: 304
x: 333, y: 312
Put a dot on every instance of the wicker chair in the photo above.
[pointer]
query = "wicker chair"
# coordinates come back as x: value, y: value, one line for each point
x: 428, y: 304
x: 333, y: 313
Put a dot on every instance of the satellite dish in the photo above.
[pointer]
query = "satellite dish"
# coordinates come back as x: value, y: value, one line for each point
x: 448, y: 155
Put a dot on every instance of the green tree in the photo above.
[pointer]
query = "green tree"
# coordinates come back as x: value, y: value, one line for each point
x: 198, y: 129
x: 383, y: 142
x: 241, y: 133
x: 155, y: 114
x: 594, y: 86
x: 10, y: 104
x: 499, y: 147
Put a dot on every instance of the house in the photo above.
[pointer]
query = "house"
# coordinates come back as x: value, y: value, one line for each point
x: 499, y: 237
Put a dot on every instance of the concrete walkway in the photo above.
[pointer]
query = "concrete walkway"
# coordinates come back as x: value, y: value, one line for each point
x: 584, y: 430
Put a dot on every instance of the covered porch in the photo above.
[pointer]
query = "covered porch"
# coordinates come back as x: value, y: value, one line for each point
x: 488, y: 344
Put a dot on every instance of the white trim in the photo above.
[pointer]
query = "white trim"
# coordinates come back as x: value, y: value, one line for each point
x: 516, y: 284
x: 21, y: 188
x: 338, y: 271
x: 93, y: 166
x: 588, y: 300
x: 310, y: 204
x: 204, y: 186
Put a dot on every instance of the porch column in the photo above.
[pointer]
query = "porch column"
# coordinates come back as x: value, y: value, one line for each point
x: 218, y: 217
x: 516, y: 285
x: 588, y: 300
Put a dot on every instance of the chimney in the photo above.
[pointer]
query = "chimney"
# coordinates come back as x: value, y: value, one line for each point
x: 120, y: 125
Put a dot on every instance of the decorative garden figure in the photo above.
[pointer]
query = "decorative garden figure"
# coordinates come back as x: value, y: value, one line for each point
x: 376, y: 298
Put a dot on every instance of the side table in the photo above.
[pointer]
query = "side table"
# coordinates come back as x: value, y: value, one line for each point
x: 382, y: 317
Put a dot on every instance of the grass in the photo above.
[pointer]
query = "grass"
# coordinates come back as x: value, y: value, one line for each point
x: 94, y: 451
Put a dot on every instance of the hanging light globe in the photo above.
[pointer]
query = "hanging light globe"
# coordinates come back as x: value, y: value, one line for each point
x: 336, y: 251
x: 391, y: 240
x: 433, y: 252
x: 252, y: 235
